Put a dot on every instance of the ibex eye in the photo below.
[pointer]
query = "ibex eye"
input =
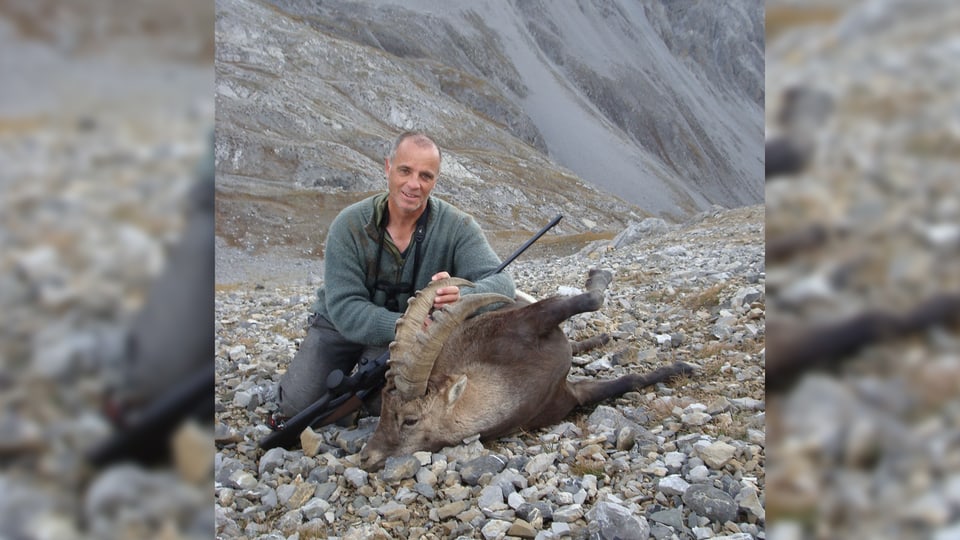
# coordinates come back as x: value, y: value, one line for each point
x: 407, y: 422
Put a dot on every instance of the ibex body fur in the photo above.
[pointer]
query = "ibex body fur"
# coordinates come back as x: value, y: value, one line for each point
x: 493, y: 374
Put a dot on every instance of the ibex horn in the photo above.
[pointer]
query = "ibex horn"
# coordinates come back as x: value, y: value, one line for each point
x: 413, y: 353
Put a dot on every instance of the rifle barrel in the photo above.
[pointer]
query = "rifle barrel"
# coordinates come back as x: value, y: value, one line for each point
x: 527, y: 244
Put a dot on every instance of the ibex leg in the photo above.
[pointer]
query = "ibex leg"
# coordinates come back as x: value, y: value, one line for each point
x: 549, y: 313
x: 588, y: 391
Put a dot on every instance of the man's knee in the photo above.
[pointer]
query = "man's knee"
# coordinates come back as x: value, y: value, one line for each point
x: 305, y: 378
x: 322, y: 351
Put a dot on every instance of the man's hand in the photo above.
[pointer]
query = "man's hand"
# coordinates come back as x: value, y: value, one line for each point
x: 445, y: 295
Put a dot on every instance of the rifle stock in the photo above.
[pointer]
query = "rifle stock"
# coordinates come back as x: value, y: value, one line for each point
x: 338, y: 402
x: 146, y: 439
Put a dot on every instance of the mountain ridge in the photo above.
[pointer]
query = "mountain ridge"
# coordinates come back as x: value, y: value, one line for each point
x: 310, y: 95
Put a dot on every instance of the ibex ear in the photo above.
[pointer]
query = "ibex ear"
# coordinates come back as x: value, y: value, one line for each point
x: 456, y: 390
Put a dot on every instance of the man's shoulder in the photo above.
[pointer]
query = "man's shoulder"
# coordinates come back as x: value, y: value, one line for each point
x: 446, y: 210
x: 362, y: 210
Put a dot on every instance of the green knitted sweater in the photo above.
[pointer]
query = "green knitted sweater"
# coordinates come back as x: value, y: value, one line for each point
x: 453, y: 243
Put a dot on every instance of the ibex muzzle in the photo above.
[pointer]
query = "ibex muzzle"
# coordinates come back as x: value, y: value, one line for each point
x: 492, y: 374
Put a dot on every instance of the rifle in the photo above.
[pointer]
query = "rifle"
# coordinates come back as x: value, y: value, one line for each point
x: 347, y: 394
x: 146, y: 439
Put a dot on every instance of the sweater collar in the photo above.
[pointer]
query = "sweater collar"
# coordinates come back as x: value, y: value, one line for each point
x: 380, y: 209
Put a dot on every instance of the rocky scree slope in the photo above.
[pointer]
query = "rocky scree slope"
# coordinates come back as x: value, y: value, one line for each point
x: 684, y: 459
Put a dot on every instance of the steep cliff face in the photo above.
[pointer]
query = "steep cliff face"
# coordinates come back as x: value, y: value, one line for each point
x: 605, y: 111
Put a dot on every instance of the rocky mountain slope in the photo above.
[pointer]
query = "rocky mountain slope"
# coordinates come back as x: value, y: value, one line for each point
x: 679, y: 460
x: 606, y: 112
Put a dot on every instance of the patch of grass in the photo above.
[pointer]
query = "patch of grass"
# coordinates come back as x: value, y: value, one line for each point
x: 504, y: 242
x: 248, y: 342
x: 228, y: 287
x: 737, y: 430
x: 659, y: 410
x: 294, y: 217
x: 659, y: 296
x: 714, y: 349
x: 704, y: 299
x: 581, y: 469
x: 634, y: 278
x: 286, y: 331
x: 712, y: 367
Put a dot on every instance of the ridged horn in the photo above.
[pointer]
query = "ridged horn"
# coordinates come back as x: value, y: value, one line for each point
x: 414, y: 352
x: 403, y: 347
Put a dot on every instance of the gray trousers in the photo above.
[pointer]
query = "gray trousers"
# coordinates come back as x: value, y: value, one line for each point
x: 322, y: 351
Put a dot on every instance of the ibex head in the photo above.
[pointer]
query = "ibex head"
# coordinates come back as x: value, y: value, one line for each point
x: 416, y: 410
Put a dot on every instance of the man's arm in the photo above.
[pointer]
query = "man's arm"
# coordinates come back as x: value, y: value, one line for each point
x: 346, y: 296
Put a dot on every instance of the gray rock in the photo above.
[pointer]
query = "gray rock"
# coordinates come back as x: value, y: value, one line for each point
x: 716, y: 455
x: 326, y: 490
x: 540, y: 463
x: 352, y: 440
x: 616, y: 521
x: 509, y: 480
x: 491, y: 499
x: 399, y: 468
x: 610, y: 417
x: 749, y: 501
x: 671, y: 517
x: 711, y: 503
x: 495, y: 529
x: 269, y: 498
x: 662, y: 532
x: 530, y: 512
x: 746, y: 296
x: 636, y: 232
x: 568, y: 514
x: 243, y: 480
x: 473, y: 470
x: 626, y: 438
x: 674, y: 460
x: 356, y: 477
x: 315, y: 508
x: 224, y: 434
x: 394, y: 511
x: 698, y: 474
x: 227, y: 467
x: 672, y: 485
x: 426, y: 490
x: 271, y: 460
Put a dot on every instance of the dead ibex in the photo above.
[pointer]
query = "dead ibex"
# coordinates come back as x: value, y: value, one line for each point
x: 493, y: 374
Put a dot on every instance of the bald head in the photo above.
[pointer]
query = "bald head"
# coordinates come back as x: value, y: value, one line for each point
x: 418, y: 139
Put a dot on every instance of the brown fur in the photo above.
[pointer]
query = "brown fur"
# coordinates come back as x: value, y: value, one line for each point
x: 512, y: 367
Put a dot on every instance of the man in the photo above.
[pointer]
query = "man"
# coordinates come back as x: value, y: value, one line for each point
x: 379, y: 252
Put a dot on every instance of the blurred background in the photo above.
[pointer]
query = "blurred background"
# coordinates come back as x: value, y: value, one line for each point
x: 106, y: 115
x: 863, y: 280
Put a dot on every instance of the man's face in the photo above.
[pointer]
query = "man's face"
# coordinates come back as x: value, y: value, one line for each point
x: 411, y: 176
